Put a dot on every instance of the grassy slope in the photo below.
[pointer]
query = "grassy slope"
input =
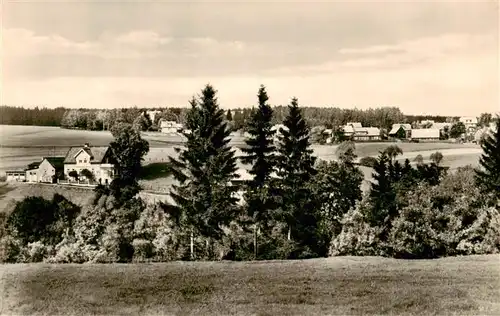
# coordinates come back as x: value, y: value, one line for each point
x: 342, y: 285
x: 18, y: 191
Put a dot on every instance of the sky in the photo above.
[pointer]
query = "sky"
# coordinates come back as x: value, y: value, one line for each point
x: 425, y: 57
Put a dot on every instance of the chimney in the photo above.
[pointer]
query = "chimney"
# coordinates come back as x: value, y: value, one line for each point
x: 86, y: 145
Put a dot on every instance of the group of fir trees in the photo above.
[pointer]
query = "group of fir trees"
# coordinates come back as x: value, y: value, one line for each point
x: 279, y: 194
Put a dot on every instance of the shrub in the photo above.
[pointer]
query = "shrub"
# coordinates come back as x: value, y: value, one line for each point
x: 483, y: 236
x: 368, y: 161
x: 34, y: 252
x: 357, y: 237
x: 10, y: 248
x: 143, y: 249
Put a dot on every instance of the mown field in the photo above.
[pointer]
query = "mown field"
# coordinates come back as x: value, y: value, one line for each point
x: 332, y: 286
x: 21, y: 145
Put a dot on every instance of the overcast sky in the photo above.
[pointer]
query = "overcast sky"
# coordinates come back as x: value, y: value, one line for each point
x: 424, y: 57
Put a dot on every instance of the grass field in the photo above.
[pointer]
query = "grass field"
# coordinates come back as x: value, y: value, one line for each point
x: 340, y: 286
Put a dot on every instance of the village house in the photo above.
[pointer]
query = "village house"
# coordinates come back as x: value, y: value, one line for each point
x: 401, y: 131
x: 277, y: 129
x: 32, y: 172
x: 470, y: 122
x: 356, y: 132
x: 47, y: 171
x: 17, y: 176
x: 170, y: 127
x: 152, y: 114
x: 425, y: 134
x: 96, y: 160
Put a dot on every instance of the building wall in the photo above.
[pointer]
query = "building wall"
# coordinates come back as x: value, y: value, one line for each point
x: 169, y: 130
x: 18, y: 176
x: 103, y: 173
x: 32, y: 175
x: 45, y: 172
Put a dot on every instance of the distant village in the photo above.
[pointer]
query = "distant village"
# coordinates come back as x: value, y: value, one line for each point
x: 88, y: 165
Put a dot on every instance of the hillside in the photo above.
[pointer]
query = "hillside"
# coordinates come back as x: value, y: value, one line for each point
x: 339, y: 285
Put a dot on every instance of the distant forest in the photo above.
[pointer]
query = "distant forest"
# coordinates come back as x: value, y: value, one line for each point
x: 101, y: 119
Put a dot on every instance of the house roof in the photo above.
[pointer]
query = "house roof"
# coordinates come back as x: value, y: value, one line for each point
x: 56, y: 162
x: 277, y: 127
x: 372, y: 131
x: 355, y: 124
x: 97, y: 153
x: 348, y: 129
x: 396, y: 127
x: 441, y: 125
x: 468, y: 119
x: 425, y: 133
x: 34, y: 165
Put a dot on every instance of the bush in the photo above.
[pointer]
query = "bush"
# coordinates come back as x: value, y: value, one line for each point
x: 143, y: 249
x: 10, y: 248
x: 368, y: 161
x: 34, y: 252
x: 483, y: 236
x: 357, y: 237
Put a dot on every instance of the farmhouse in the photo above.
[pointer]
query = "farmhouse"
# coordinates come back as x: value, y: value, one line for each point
x: 422, y: 134
x: 47, y: 171
x: 97, y: 162
x: 348, y: 131
x: 401, y: 131
x: 152, y: 114
x: 32, y: 172
x: 170, y: 127
x: 469, y: 121
x: 277, y: 129
x: 18, y: 176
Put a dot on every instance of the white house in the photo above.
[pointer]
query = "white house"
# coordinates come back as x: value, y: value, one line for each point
x: 152, y: 114
x: 400, y: 130
x: 18, y: 176
x: 366, y: 133
x: 32, y: 172
x: 420, y: 134
x: 469, y: 121
x: 96, y: 159
x: 277, y: 129
x: 47, y: 171
x: 170, y: 127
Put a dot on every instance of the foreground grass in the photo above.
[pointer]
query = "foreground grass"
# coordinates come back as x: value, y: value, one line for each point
x: 343, y: 285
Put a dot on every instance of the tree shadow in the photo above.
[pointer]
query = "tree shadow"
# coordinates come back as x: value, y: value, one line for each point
x: 155, y: 170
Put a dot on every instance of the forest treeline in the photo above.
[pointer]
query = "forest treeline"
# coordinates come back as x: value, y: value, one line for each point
x: 294, y: 206
x: 101, y: 119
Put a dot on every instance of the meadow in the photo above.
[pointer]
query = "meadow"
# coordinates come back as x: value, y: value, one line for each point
x: 338, y: 285
x: 21, y: 145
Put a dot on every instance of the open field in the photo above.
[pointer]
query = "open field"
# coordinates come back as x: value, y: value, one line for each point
x: 339, y: 285
x: 21, y: 145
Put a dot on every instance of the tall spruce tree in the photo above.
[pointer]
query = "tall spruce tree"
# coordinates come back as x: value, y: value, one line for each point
x: 295, y: 167
x: 205, y: 199
x: 260, y: 154
x: 382, y: 195
x: 488, y: 175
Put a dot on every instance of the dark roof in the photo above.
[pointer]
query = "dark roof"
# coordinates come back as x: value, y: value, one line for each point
x: 56, y: 162
x: 33, y: 165
x: 97, y: 154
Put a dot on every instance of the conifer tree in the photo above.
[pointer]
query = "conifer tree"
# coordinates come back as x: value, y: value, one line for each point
x: 382, y: 194
x: 229, y: 115
x: 205, y: 198
x: 127, y: 151
x: 260, y: 154
x: 295, y: 167
x: 488, y: 175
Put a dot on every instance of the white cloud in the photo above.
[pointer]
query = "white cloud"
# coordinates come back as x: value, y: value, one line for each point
x: 22, y: 43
